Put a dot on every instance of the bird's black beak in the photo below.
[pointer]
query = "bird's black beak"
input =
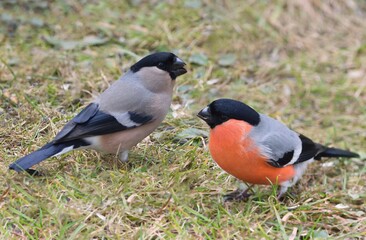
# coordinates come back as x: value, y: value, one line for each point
x: 178, y: 68
x: 205, y: 114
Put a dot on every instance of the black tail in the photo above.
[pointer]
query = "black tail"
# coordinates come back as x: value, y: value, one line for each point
x: 48, y: 150
x: 336, y: 152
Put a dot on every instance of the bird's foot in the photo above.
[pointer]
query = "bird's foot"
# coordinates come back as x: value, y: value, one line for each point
x: 282, y: 193
x: 123, y: 156
x: 33, y: 172
x: 280, y: 197
x: 238, y: 195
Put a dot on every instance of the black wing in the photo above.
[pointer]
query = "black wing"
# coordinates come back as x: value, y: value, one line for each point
x: 309, y: 150
x: 287, y: 157
x: 87, y: 113
x: 93, y: 122
x: 317, y: 151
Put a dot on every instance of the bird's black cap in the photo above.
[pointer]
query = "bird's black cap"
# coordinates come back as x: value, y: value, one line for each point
x: 222, y: 110
x: 166, y: 61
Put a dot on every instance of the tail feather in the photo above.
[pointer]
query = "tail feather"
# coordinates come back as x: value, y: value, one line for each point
x: 41, y: 154
x: 336, y: 152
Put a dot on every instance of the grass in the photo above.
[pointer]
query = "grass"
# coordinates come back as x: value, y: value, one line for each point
x: 302, y: 62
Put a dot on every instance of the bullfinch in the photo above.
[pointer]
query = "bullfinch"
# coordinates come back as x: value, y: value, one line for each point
x: 123, y: 115
x: 258, y: 149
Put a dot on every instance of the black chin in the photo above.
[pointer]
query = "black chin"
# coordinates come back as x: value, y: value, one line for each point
x: 177, y: 72
x: 212, y: 121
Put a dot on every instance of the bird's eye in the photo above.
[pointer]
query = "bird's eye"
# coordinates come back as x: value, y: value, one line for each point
x: 160, y: 64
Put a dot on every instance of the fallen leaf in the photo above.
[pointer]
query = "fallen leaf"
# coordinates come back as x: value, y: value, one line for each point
x: 193, y: 4
x: 359, y: 213
x: 213, y: 81
x: 71, y: 44
x: 190, y: 133
x: 354, y: 74
x: 94, y: 40
x: 341, y: 206
x: 36, y: 22
x: 322, y: 234
x: 227, y: 60
x: 199, y: 59
x: 354, y: 196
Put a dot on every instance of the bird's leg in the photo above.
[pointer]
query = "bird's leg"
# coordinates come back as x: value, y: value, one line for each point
x: 123, y: 156
x: 238, y: 195
x: 33, y: 172
x: 283, y: 190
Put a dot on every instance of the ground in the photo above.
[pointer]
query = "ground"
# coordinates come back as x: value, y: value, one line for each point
x: 302, y: 62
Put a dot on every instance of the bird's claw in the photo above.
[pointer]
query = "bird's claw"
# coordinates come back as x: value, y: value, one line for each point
x: 238, y: 195
x: 33, y: 172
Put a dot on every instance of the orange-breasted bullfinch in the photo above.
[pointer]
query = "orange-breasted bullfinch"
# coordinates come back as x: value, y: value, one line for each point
x: 258, y: 149
x: 123, y: 115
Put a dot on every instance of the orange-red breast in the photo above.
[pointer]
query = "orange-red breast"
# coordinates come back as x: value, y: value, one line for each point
x: 258, y: 149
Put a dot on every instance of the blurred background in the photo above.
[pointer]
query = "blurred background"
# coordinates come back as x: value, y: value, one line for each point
x: 302, y: 62
x: 309, y: 55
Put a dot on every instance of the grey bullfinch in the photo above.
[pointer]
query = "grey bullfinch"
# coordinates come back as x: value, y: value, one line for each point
x: 258, y: 149
x: 123, y: 115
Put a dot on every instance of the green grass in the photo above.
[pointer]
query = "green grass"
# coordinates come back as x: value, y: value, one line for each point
x: 302, y: 62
